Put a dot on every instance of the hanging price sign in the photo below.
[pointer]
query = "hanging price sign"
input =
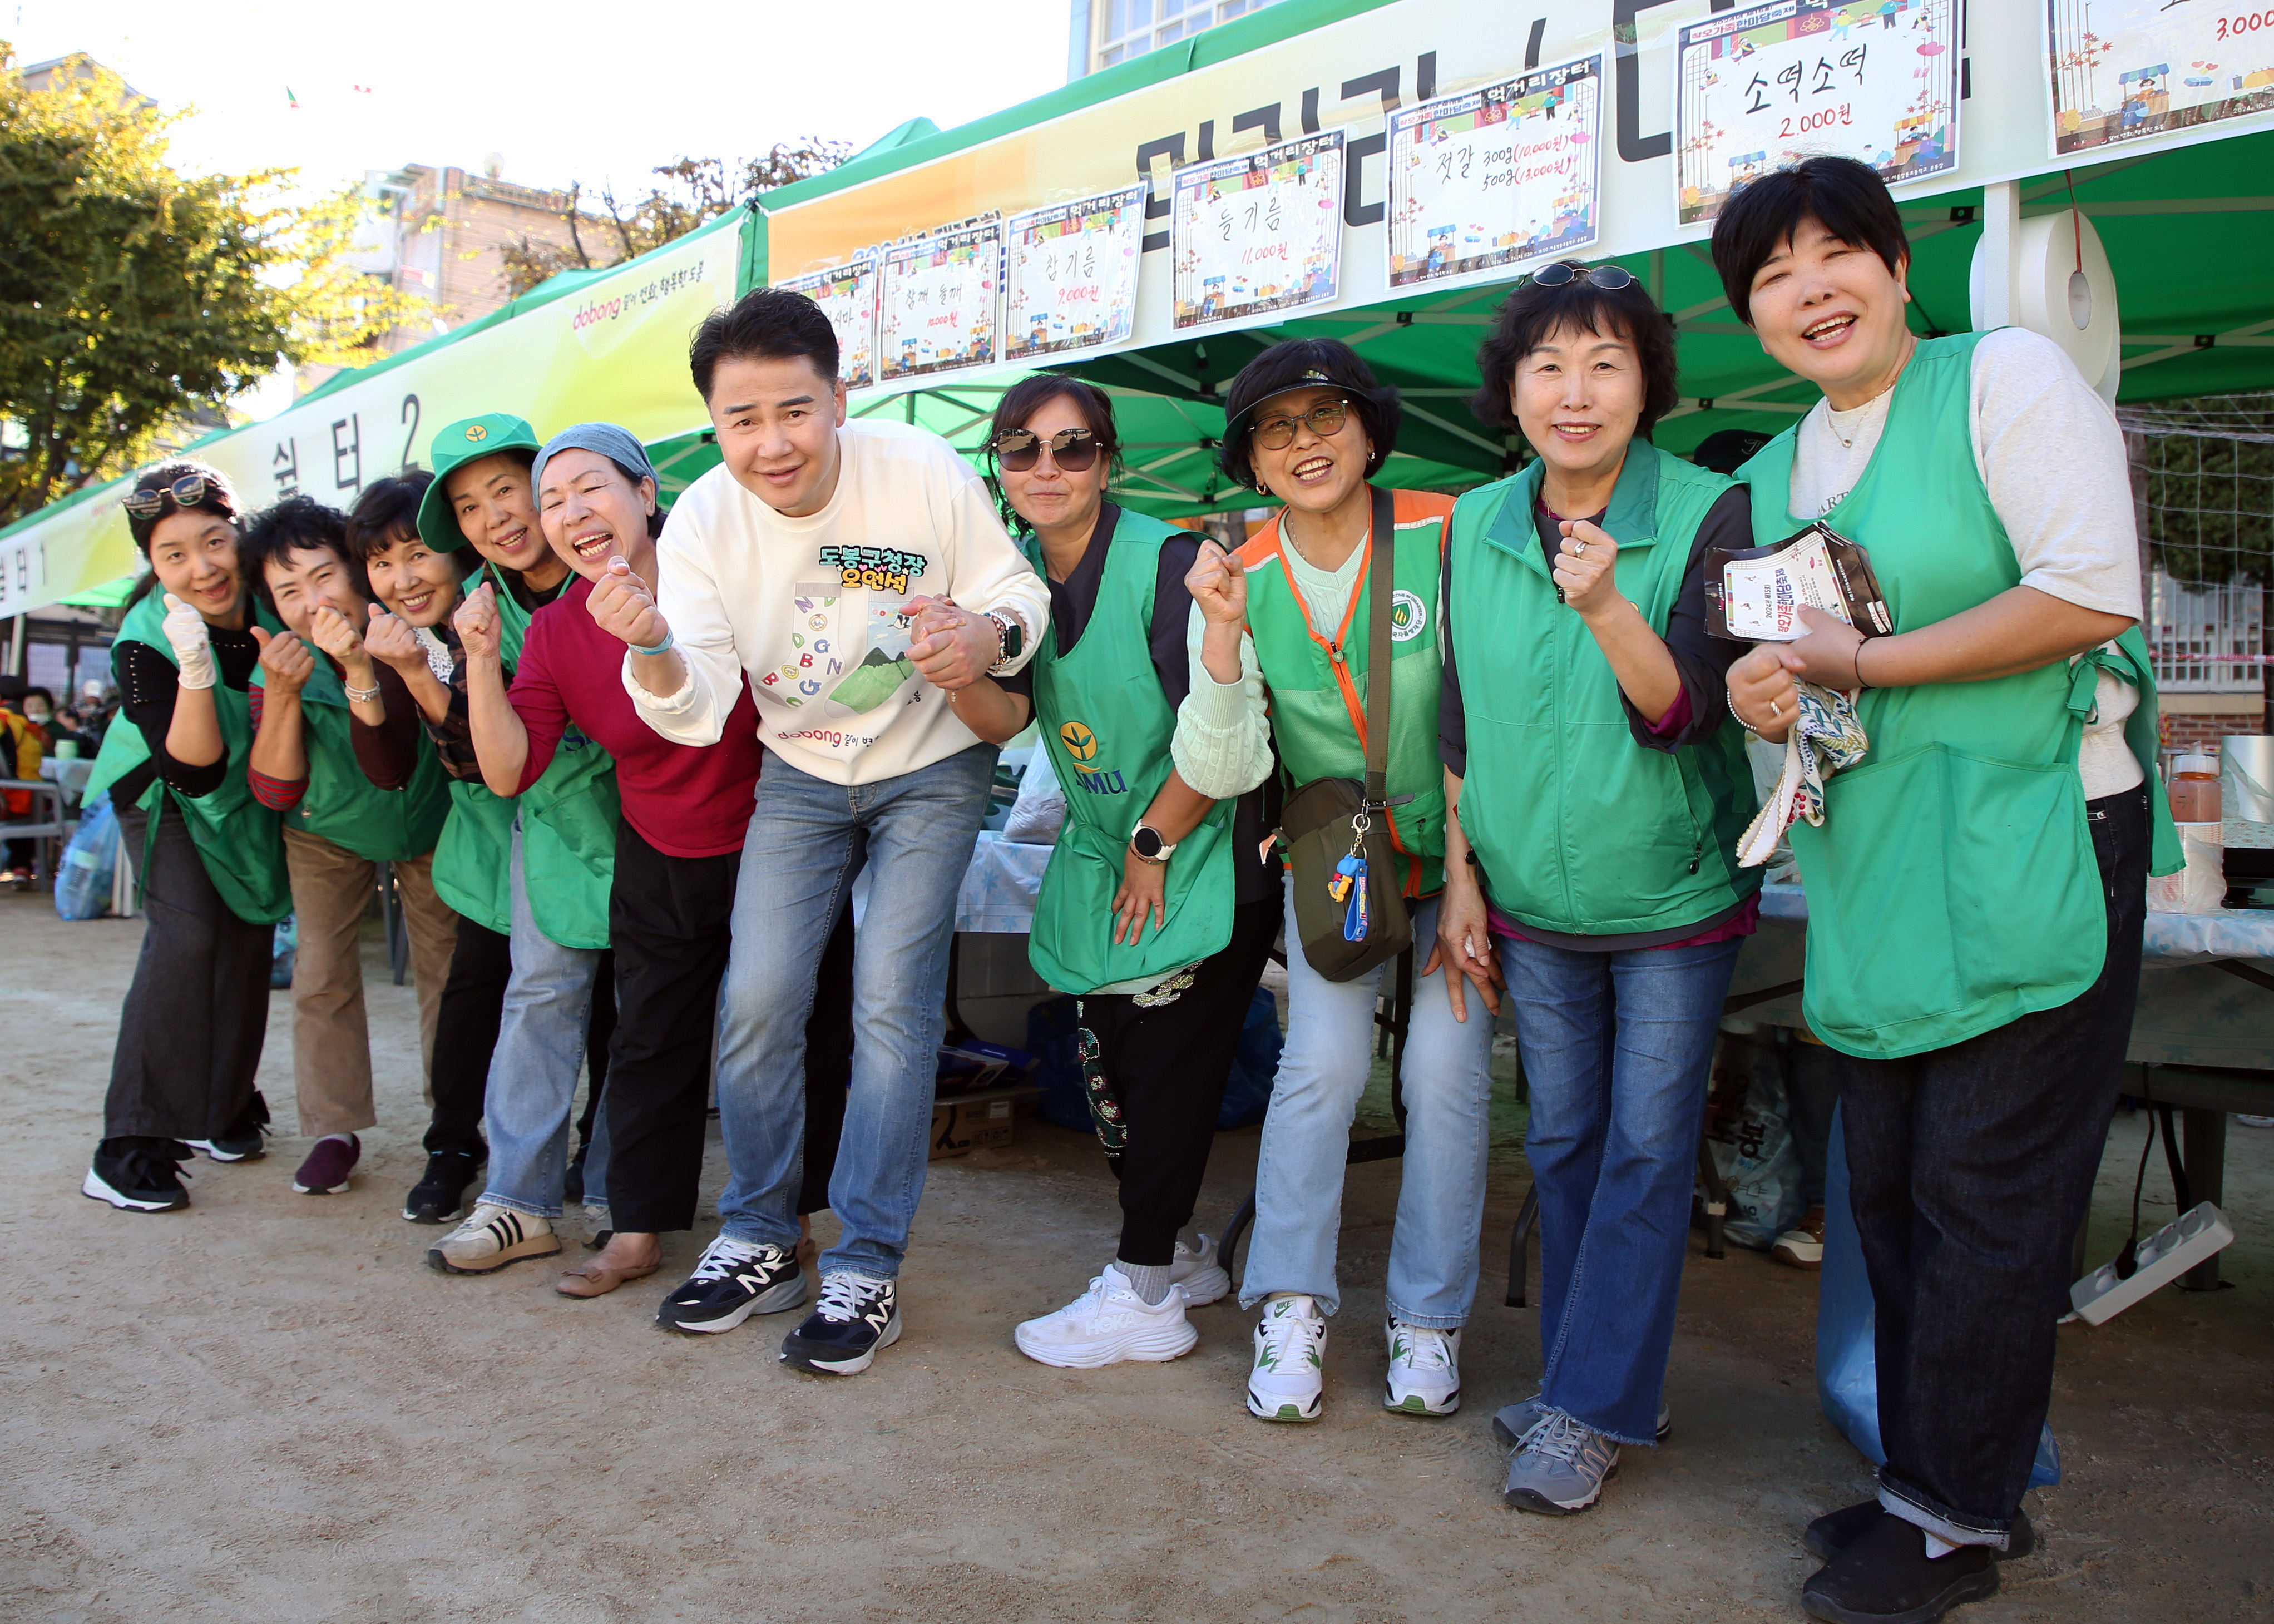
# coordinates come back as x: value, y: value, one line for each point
x: 1499, y: 175
x: 1259, y: 233
x: 2124, y: 70
x: 936, y: 301
x: 847, y: 296
x: 1070, y: 274
x: 1761, y: 88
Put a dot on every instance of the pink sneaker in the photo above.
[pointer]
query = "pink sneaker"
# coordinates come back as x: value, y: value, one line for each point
x: 327, y: 1169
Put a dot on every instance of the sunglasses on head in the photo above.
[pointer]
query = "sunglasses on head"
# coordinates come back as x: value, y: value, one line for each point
x: 187, y: 491
x: 1609, y: 278
x: 1071, y: 449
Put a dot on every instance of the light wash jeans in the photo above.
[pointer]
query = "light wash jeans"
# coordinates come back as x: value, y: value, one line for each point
x: 807, y: 838
x: 1298, y: 1178
x: 532, y: 1096
x: 1618, y: 1049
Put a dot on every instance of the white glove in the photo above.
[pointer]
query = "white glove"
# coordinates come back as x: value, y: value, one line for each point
x: 186, y: 629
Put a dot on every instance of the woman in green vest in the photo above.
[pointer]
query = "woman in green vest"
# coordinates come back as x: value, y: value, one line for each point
x: 208, y: 860
x: 1158, y: 910
x: 1975, y: 891
x: 324, y: 712
x: 1598, y: 794
x: 1290, y: 617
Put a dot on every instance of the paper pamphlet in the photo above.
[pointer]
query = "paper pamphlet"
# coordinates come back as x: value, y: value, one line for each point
x: 1756, y: 595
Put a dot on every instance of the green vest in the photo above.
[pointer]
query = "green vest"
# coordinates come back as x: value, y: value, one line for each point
x: 1577, y: 827
x: 567, y: 835
x: 1317, y: 689
x: 347, y: 808
x: 1952, y: 887
x: 1107, y: 726
x: 236, y: 835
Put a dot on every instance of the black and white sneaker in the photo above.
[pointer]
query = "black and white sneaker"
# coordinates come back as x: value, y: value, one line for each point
x: 734, y: 1280
x: 138, y: 1174
x: 440, y: 1195
x: 858, y: 1315
x: 246, y: 1140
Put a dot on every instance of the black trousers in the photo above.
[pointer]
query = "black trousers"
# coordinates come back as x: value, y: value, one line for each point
x: 466, y: 1032
x: 1970, y: 1169
x: 670, y: 922
x: 197, y: 1012
x: 1156, y: 1079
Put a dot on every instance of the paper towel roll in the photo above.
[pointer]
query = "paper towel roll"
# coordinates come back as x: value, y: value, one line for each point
x: 2246, y: 775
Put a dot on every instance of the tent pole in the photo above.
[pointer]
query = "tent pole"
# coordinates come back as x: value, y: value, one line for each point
x: 2001, y: 222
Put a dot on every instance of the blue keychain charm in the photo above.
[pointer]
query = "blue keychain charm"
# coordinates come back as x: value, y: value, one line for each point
x: 1355, y: 922
x: 1348, y: 873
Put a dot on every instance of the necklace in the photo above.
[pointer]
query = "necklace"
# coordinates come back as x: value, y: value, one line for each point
x: 1287, y: 530
x: 1849, y: 440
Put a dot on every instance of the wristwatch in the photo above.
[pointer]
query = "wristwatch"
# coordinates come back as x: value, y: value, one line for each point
x: 1011, y: 634
x: 1146, y: 842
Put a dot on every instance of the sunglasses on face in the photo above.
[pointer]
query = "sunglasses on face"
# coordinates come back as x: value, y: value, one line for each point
x: 187, y: 491
x: 1071, y: 449
x: 1609, y: 278
x: 1326, y: 421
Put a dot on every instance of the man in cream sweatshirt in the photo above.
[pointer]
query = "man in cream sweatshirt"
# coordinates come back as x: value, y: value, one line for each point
x: 855, y: 576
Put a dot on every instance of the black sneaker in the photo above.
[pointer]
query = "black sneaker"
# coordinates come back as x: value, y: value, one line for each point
x: 858, y: 1315
x: 138, y: 1174
x: 734, y: 1280
x: 247, y: 1139
x: 1884, y: 1576
x: 440, y: 1195
x: 1835, y: 1530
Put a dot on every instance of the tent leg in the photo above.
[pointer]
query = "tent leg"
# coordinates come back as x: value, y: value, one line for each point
x: 2001, y: 222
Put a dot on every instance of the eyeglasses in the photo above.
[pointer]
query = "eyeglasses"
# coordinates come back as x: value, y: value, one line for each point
x: 1071, y: 449
x: 1326, y: 421
x: 187, y: 491
x: 1609, y: 278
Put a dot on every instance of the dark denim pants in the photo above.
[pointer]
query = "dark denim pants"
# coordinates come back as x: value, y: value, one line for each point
x: 1618, y: 1049
x: 1971, y: 1169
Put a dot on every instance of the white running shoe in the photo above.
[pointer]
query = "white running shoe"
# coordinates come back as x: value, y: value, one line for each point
x: 1289, y: 1380
x: 491, y: 1238
x: 1110, y: 1324
x: 1425, y: 1370
x: 1199, y: 1273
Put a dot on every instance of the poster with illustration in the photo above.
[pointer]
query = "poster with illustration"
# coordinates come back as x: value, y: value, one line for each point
x: 1765, y: 86
x: 1258, y: 233
x: 1489, y: 179
x: 2125, y: 68
x: 1070, y: 274
x: 936, y: 307
x: 847, y: 296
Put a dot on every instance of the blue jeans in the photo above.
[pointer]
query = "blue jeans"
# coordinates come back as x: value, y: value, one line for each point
x: 1618, y: 1049
x: 807, y: 838
x: 531, y: 1097
x: 1298, y: 1175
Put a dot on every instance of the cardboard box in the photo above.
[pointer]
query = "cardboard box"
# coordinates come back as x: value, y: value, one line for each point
x: 981, y: 1121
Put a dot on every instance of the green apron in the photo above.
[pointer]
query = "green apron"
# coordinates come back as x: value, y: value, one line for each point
x: 1952, y: 888
x: 1107, y: 726
x: 1577, y: 827
x: 1315, y: 687
x: 236, y: 836
x: 340, y: 803
x: 568, y: 827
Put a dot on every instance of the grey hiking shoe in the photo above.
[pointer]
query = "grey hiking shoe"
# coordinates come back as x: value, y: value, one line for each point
x: 1560, y: 1468
x: 1515, y: 1420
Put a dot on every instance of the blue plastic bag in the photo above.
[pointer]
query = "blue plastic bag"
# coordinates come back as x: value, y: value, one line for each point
x: 1749, y: 1131
x: 90, y: 862
x: 1247, y: 1092
x: 1846, y: 1362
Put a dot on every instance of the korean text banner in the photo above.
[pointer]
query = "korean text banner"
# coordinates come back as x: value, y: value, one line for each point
x: 1350, y: 74
x: 613, y: 350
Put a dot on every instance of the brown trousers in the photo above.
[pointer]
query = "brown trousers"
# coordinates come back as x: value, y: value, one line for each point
x: 331, y: 1039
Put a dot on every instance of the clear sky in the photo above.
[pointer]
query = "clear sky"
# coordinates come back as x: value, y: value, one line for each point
x: 562, y: 90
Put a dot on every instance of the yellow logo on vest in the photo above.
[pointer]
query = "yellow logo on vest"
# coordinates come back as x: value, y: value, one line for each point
x: 1082, y: 744
x: 1408, y: 616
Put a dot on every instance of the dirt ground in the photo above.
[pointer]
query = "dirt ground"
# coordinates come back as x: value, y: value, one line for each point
x: 266, y: 1408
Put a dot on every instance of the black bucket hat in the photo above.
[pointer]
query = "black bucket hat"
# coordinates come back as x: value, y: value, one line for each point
x: 1306, y: 363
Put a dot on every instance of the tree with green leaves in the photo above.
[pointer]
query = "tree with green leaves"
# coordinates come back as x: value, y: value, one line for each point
x: 133, y: 297
x: 693, y: 193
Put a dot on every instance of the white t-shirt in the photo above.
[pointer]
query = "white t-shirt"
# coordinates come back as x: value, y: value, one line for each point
x: 1327, y: 593
x: 2052, y: 459
x: 810, y: 607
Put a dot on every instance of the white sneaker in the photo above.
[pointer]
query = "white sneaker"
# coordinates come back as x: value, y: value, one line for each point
x: 491, y: 1238
x: 1203, y: 1278
x: 1289, y: 1380
x: 1108, y: 1324
x: 1425, y: 1370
